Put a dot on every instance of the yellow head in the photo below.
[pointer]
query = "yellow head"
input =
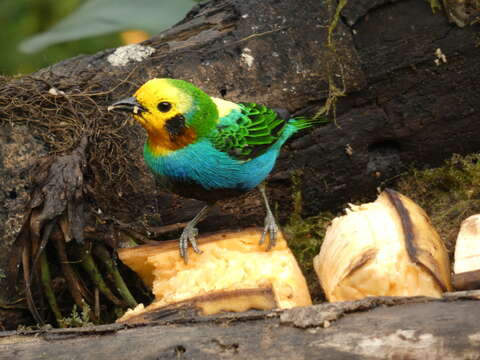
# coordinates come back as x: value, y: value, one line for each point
x: 173, y: 112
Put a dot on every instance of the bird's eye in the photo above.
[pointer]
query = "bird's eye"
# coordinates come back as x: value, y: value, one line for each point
x: 164, y: 106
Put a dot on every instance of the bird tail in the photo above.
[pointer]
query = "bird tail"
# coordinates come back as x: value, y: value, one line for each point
x: 302, y: 122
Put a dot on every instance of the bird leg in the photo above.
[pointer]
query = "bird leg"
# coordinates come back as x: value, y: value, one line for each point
x: 190, y: 233
x: 270, y: 226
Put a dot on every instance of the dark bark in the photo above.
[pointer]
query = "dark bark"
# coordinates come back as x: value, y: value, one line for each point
x: 374, y: 328
x: 400, y: 109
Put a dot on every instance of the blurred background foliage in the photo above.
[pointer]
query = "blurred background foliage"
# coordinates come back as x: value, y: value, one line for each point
x: 38, y: 33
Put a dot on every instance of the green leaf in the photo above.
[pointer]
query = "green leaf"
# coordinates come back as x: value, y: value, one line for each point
x: 99, y: 17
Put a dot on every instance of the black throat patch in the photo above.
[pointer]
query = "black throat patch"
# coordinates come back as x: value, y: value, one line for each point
x: 175, y: 126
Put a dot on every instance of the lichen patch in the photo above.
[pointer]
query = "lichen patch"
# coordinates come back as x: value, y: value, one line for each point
x: 474, y: 339
x: 247, y: 57
x: 402, y: 344
x: 125, y: 54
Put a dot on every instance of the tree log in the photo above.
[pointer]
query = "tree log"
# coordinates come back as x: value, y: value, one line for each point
x: 403, y: 105
x: 373, y: 328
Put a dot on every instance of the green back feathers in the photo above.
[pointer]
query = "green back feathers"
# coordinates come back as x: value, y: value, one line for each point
x: 301, y: 123
x: 256, y: 129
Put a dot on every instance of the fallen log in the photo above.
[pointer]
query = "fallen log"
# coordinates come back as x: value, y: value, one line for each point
x: 372, y: 328
x: 400, y: 107
x: 398, y: 101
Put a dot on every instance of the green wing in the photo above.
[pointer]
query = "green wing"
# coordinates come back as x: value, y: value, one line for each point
x: 250, y: 133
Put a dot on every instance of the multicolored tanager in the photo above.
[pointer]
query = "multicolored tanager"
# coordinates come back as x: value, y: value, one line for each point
x: 207, y: 148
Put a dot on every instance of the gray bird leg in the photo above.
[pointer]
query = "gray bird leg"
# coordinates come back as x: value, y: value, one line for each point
x: 270, y: 226
x: 190, y: 232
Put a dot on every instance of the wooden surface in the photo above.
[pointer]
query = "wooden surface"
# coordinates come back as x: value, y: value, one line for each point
x: 400, y: 108
x: 375, y: 328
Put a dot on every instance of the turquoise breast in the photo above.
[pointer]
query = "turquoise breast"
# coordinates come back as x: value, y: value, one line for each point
x: 201, y: 165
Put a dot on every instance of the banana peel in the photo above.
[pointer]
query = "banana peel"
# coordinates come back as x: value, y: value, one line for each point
x: 384, y: 248
x: 209, y: 304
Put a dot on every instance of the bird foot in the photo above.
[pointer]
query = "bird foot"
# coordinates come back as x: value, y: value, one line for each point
x: 189, y: 235
x: 270, y: 228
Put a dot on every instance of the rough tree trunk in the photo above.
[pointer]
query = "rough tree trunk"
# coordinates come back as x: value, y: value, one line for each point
x: 401, y: 107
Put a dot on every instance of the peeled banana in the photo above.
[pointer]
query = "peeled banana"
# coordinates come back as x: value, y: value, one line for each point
x: 384, y: 248
x: 233, y: 273
x: 467, y: 255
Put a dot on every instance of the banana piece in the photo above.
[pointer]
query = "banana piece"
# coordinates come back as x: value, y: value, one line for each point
x: 384, y: 248
x: 232, y: 272
x: 467, y: 255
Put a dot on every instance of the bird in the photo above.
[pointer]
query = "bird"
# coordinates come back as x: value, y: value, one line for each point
x: 207, y: 148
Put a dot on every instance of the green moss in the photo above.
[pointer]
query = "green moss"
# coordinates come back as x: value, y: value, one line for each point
x: 435, y: 5
x: 449, y: 194
x: 333, y: 62
x: 460, y: 12
x: 304, y: 237
x: 77, y: 319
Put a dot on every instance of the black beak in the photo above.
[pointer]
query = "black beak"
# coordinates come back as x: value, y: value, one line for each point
x: 129, y: 104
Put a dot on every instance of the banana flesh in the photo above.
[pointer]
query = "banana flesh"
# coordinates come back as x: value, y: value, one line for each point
x: 384, y: 248
x: 233, y: 273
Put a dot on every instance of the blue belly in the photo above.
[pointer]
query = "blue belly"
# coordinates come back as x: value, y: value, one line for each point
x: 201, y: 164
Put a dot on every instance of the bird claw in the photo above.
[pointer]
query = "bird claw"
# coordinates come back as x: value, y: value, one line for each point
x: 189, y: 235
x: 270, y: 228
